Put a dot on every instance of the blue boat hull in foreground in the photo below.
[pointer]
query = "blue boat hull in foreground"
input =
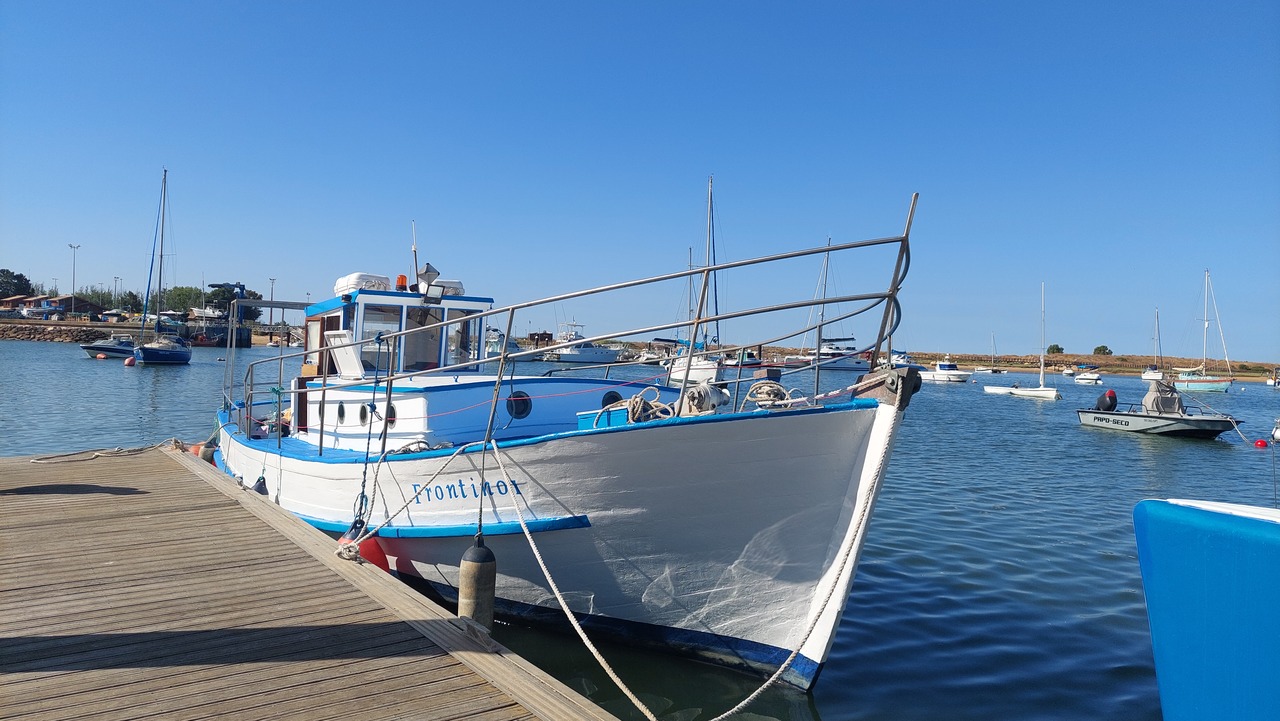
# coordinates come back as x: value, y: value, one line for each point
x: 1211, y: 574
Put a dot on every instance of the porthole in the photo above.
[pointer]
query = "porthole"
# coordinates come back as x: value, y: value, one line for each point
x: 519, y: 405
x: 610, y: 398
x: 342, y: 413
x: 364, y: 414
x: 391, y: 415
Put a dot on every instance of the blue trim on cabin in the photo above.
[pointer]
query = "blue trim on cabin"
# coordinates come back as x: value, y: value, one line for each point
x: 462, y: 530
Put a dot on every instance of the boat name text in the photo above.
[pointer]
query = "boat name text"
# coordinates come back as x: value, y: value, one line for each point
x: 458, y: 490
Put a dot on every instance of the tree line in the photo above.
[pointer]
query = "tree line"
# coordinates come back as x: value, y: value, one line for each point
x: 179, y: 298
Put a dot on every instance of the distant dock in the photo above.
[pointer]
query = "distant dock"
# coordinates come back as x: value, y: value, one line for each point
x: 149, y: 585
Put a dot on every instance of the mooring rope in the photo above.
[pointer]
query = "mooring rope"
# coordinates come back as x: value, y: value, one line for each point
x: 564, y: 605
x: 107, y: 453
x: 860, y: 529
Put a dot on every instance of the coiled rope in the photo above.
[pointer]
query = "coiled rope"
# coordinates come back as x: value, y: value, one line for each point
x: 639, y: 408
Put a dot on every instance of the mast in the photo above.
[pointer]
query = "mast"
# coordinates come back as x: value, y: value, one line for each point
x: 1159, y: 359
x: 1042, y: 334
x: 164, y: 201
x: 1204, y: 348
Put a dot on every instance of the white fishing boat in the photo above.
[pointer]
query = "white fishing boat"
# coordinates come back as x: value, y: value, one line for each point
x: 1162, y: 412
x: 1199, y: 378
x: 1042, y: 392
x: 945, y: 371
x: 1154, y: 372
x: 664, y: 515
x: 834, y: 354
x: 573, y: 347
x: 1212, y: 586
x: 1088, y: 378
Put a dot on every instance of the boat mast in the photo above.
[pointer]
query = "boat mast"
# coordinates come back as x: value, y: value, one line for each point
x: 1159, y: 359
x: 1222, y: 337
x: 1204, y: 347
x: 1042, y: 334
x: 164, y: 201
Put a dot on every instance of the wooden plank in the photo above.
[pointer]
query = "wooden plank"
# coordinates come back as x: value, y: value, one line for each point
x: 151, y: 586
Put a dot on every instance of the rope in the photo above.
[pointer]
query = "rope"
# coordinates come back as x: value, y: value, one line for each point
x: 107, y: 453
x: 564, y: 606
x: 860, y: 529
x: 349, y: 551
x: 639, y: 408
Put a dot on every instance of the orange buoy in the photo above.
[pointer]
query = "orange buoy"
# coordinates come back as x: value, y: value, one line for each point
x: 195, y: 448
x: 101, y: 356
x: 130, y: 361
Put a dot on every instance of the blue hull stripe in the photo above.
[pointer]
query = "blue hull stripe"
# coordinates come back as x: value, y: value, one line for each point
x: 464, y: 530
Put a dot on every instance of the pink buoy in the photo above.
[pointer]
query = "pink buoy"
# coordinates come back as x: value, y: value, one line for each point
x: 130, y: 361
x: 101, y: 356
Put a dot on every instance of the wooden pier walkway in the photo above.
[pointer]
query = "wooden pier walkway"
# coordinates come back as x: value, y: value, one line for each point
x: 148, y: 585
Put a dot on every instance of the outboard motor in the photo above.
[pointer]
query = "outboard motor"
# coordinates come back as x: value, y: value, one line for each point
x: 1106, y: 401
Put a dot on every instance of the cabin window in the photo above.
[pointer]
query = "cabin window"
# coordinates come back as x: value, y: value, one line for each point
x: 422, y: 349
x: 342, y: 413
x: 379, y: 319
x: 364, y: 414
x: 464, y: 337
x: 391, y: 415
x: 519, y: 405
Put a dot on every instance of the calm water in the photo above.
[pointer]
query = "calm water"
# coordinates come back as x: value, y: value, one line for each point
x: 999, y: 579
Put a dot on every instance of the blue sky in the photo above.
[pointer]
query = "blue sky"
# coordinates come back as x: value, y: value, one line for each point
x: 1113, y: 151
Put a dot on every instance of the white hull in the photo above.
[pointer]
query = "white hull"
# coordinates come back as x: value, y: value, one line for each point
x: 945, y: 376
x: 1043, y: 393
x: 701, y: 370
x: 640, y: 550
x: 1149, y: 375
x: 1201, y: 426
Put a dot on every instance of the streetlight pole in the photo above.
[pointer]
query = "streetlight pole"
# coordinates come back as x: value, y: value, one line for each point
x: 73, y: 248
x: 272, y: 312
x: 115, y: 293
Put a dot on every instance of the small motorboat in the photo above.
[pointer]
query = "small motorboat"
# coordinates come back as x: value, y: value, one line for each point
x: 1161, y: 412
x: 119, y: 345
x: 944, y: 371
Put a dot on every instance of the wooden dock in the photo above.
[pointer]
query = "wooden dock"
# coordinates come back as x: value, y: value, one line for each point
x: 148, y: 585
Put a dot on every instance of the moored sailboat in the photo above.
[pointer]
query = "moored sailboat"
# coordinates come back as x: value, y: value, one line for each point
x: 164, y: 348
x: 1198, y: 378
x: 1042, y: 392
x: 1154, y: 371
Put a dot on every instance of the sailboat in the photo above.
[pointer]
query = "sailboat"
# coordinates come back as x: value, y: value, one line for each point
x: 1153, y: 371
x: 164, y: 348
x: 691, y: 365
x: 991, y: 368
x: 1198, y: 378
x: 1042, y: 392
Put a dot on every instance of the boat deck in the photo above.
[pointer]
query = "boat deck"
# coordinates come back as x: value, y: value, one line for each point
x: 148, y: 585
